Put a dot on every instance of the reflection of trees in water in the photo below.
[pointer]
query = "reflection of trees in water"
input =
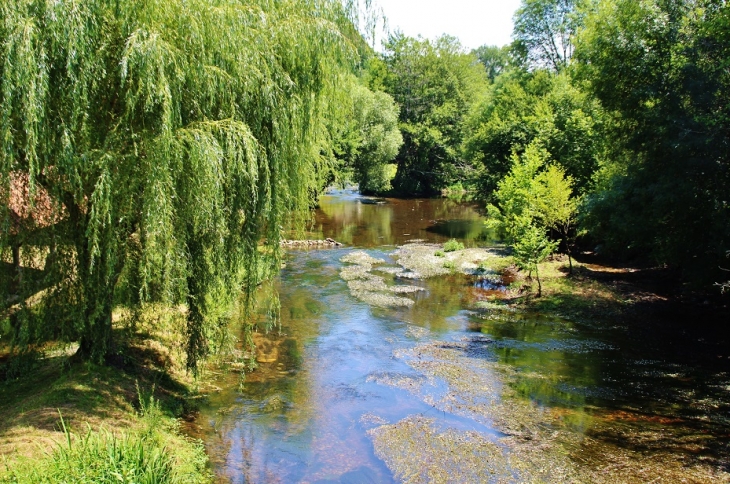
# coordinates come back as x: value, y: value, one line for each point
x: 434, y: 307
x: 551, y: 366
x: 398, y: 220
x: 344, y: 218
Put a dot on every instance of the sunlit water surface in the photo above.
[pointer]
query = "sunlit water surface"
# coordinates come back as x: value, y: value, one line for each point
x: 332, y: 372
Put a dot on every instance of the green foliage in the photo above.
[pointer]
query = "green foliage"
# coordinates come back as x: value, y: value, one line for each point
x: 100, y: 457
x: 531, y: 246
x: 171, y: 138
x: 556, y: 207
x: 532, y: 199
x: 453, y: 245
x: 665, y: 188
x: 516, y: 196
x: 19, y: 364
x: 369, y: 140
x: 435, y: 84
x: 544, y: 31
x: 522, y: 108
x: 495, y: 59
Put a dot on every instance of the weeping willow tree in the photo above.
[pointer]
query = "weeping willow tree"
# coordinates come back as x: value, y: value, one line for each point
x: 175, y: 139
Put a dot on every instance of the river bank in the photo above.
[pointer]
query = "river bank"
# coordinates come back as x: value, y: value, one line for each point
x: 518, y: 377
x: 529, y: 377
x: 393, y: 351
x: 133, y: 404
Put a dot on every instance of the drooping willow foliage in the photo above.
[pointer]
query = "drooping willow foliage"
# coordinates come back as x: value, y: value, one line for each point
x: 175, y: 138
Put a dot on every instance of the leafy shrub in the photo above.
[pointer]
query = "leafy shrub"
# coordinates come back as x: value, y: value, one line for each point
x: 453, y: 245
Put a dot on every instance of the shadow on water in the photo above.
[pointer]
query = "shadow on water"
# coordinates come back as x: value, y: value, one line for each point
x: 334, y: 371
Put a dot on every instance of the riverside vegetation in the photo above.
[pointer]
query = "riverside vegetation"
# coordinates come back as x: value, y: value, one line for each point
x: 154, y: 156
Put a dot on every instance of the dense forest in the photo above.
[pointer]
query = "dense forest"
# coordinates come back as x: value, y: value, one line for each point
x: 158, y: 151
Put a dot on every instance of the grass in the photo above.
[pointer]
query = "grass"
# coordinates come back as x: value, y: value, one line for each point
x: 582, y: 295
x: 575, y: 296
x: 453, y: 245
x: 121, y: 421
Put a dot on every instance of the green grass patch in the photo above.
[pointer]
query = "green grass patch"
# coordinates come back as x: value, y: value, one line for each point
x: 453, y: 245
x: 120, y: 420
x: 580, y: 296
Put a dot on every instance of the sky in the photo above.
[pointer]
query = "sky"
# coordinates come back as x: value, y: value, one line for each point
x: 473, y: 22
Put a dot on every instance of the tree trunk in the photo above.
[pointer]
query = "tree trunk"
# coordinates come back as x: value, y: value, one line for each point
x: 539, y: 284
x: 96, y: 342
x: 197, y: 346
x: 16, y: 277
x: 570, y: 259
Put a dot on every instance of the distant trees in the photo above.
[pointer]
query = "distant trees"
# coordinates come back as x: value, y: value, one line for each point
x: 544, y: 31
x: 172, y: 138
x: 369, y: 138
x: 524, y: 107
x: 435, y: 84
x: 495, y: 59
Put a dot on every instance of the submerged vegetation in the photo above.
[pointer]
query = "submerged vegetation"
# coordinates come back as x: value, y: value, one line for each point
x: 154, y: 156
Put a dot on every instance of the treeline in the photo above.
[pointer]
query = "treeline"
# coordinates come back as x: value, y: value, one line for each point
x: 155, y: 152
x: 629, y: 99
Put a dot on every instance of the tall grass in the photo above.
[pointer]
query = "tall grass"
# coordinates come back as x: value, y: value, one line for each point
x: 138, y: 457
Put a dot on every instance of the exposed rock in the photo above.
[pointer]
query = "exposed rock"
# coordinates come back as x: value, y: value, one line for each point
x: 310, y: 244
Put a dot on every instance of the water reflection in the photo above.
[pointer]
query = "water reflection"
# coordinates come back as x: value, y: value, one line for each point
x: 358, y: 221
x: 335, y: 369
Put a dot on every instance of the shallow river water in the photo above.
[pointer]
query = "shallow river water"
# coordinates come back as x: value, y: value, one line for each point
x: 453, y: 389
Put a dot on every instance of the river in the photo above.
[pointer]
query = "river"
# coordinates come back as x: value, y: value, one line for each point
x: 451, y: 388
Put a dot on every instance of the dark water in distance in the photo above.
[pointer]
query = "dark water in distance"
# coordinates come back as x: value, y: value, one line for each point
x: 303, y: 416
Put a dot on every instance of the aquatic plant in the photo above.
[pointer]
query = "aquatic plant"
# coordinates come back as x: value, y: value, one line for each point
x: 453, y: 245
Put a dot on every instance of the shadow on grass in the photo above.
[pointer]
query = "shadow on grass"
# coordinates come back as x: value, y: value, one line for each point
x: 98, y: 395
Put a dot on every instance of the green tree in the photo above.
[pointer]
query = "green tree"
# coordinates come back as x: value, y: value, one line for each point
x: 544, y: 31
x: 172, y: 137
x: 495, y: 59
x: 664, y: 191
x: 370, y: 139
x: 531, y: 200
x: 524, y: 107
x: 531, y: 247
x: 435, y: 84
x: 556, y: 207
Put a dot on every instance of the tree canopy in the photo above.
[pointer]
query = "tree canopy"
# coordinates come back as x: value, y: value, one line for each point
x: 172, y: 137
x: 544, y: 31
x: 665, y: 187
x: 367, y: 140
x: 434, y: 83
